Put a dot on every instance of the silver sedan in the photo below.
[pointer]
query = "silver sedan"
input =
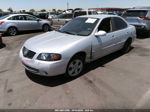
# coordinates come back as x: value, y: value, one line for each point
x: 82, y: 40
x: 13, y: 23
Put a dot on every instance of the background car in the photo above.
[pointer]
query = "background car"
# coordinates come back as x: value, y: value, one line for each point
x: 61, y: 19
x: 64, y: 18
x: 42, y: 15
x: 51, y: 15
x: 12, y: 24
x: 84, y: 12
x: 139, y: 17
x: 82, y: 40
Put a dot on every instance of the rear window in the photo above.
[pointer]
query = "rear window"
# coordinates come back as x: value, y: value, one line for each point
x: 3, y: 17
x: 135, y: 13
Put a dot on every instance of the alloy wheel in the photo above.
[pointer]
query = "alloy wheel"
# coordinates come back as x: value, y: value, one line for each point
x: 75, y: 67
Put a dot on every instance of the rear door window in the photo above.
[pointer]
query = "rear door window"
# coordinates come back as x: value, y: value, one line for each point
x: 118, y: 24
x: 135, y: 13
x: 30, y: 18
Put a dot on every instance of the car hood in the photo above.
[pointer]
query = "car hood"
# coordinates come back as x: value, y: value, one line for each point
x: 52, y: 42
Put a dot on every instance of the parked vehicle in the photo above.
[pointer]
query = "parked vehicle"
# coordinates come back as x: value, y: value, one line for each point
x: 82, y: 40
x: 139, y: 17
x: 42, y: 15
x: 84, y: 12
x: 12, y: 24
x: 51, y: 15
x: 61, y: 19
x: 64, y: 18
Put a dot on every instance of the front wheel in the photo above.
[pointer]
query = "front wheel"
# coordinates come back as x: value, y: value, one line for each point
x: 75, y: 67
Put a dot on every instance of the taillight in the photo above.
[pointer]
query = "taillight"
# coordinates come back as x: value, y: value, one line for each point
x: 1, y: 22
x: 144, y: 18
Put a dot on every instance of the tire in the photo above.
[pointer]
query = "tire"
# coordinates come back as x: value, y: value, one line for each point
x: 127, y: 46
x: 75, y: 66
x: 12, y: 31
x: 46, y: 28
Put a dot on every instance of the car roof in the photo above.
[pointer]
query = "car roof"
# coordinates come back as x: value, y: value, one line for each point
x: 139, y: 9
x: 83, y: 10
x: 17, y: 14
x: 99, y: 16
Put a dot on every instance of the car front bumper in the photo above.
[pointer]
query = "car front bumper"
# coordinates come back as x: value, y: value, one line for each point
x: 44, y: 68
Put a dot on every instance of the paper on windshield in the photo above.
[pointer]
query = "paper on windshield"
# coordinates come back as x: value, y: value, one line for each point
x: 90, y: 20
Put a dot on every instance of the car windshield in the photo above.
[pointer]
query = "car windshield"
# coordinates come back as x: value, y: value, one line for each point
x: 135, y: 13
x: 79, y: 26
x: 3, y: 17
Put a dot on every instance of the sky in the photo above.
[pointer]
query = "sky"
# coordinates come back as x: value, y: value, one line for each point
x: 62, y: 4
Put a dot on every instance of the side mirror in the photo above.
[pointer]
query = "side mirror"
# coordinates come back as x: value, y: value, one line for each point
x: 100, y: 33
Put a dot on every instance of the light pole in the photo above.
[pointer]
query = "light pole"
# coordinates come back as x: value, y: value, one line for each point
x: 67, y: 5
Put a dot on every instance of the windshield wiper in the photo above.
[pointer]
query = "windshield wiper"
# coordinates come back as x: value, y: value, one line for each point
x: 65, y: 32
x: 68, y: 32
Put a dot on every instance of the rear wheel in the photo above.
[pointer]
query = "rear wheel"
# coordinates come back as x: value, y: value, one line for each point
x: 127, y: 46
x: 12, y: 31
x: 75, y: 66
x: 46, y: 28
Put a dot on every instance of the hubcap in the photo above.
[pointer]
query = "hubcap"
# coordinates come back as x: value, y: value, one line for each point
x: 75, y: 67
x: 12, y: 31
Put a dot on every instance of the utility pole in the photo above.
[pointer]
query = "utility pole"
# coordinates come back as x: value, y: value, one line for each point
x: 67, y: 4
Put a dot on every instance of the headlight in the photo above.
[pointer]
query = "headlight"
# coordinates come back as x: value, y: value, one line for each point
x: 49, y: 57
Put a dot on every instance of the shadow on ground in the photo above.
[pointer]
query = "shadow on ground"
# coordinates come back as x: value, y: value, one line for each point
x: 143, y: 35
x: 22, y: 33
x: 2, y: 45
x: 61, y: 79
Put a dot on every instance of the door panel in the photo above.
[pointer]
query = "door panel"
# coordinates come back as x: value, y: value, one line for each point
x: 32, y: 23
x: 103, y: 45
x: 105, y: 42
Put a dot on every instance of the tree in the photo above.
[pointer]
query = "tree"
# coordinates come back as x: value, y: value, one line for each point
x: 10, y: 9
x: 1, y: 10
x: 32, y: 10
x: 59, y: 11
x: 43, y: 10
x: 54, y: 10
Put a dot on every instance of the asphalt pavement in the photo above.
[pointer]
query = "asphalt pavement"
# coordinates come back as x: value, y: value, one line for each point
x: 116, y: 81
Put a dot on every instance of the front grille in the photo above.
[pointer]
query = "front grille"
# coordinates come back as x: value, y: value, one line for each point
x: 28, y: 53
x: 30, y: 68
